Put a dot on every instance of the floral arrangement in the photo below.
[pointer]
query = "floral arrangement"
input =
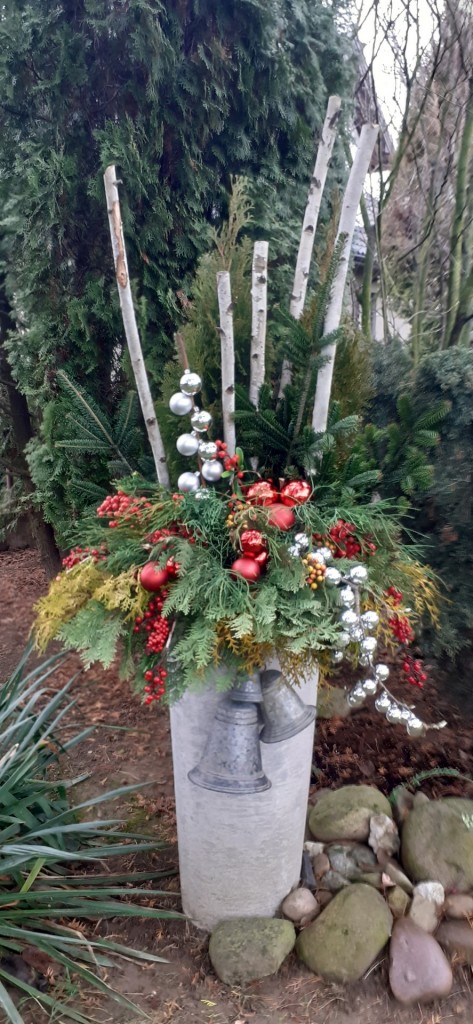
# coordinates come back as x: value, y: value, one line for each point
x: 230, y: 569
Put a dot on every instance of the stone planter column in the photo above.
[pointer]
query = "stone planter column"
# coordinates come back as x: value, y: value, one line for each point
x: 239, y: 855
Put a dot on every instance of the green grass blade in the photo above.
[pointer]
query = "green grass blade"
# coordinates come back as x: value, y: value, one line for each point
x: 7, y: 1004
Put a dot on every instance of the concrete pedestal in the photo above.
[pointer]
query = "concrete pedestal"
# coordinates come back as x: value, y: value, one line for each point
x: 239, y: 855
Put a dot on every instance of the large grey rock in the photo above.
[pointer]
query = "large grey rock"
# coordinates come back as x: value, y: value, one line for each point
x: 437, y: 842
x: 345, y: 813
x: 300, y: 906
x: 419, y: 971
x: 342, y: 943
x: 457, y: 937
x: 247, y: 948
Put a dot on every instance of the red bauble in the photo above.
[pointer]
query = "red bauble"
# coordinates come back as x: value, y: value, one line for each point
x: 252, y: 543
x: 152, y: 577
x: 248, y: 568
x: 262, y: 558
x: 281, y: 517
x: 261, y: 493
x: 296, y: 492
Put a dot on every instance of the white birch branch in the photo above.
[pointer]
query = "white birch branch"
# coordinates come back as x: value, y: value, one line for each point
x: 259, y: 313
x: 346, y: 227
x: 228, y: 359
x: 131, y: 327
x: 311, y: 216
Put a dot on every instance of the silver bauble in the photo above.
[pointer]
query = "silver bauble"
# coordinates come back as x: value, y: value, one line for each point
x: 349, y: 619
x: 202, y: 494
x: 188, y: 482
x: 333, y: 576
x: 337, y: 657
x: 356, y: 633
x: 393, y: 714
x: 347, y: 597
x: 294, y: 550
x: 358, y: 574
x: 302, y: 541
x: 201, y: 420
x: 383, y: 702
x: 415, y: 727
x: 354, y: 699
x: 187, y: 444
x: 381, y: 672
x: 212, y: 471
x: 368, y: 645
x: 315, y: 558
x: 208, y: 450
x: 364, y: 660
x: 370, y: 687
x: 180, y: 404
x: 190, y: 383
x: 369, y: 621
x: 326, y: 553
x: 343, y: 639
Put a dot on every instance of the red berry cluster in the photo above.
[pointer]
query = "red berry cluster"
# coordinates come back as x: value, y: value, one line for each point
x: 394, y: 596
x: 414, y: 671
x: 154, y: 625
x: 78, y: 554
x: 155, y: 684
x: 401, y: 628
x: 230, y: 462
x: 343, y: 541
x: 121, y: 506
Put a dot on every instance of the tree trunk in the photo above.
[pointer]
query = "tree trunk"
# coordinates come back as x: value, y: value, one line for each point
x: 42, y: 532
x: 346, y: 227
x: 131, y: 327
x: 227, y: 351
x: 458, y: 227
x: 259, y: 313
x: 311, y: 216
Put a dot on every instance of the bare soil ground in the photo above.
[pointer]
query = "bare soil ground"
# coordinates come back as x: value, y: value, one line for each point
x: 132, y: 744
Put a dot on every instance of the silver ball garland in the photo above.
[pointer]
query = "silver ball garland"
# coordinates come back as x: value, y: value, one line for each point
x: 358, y: 574
x: 383, y: 702
x: 187, y: 444
x: 370, y: 687
x: 415, y: 727
x: 368, y: 645
x: 212, y: 471
x: 190, y: 383
x: 381, y: 672
x: 326, y: 554
x: 349, y: 619
x: 347, y: 597
x: 333, y: 576
x: 188, y: 482
x: 337, y: 657
x: 201, y: 420
x: 369, y: 621
x: 393, y: 714
x: 208, y: 450
x: 302, y: 541
x: 180, y: 404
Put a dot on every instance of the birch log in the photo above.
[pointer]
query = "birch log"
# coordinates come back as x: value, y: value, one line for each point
x: 311, y: 216
x: 131, y: 327
x: 346, y: 227
x: 228, y: 358
x: 259, y: 313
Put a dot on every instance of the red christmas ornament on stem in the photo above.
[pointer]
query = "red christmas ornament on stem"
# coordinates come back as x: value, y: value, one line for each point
x: 281, y: 517
x: 261, y: 493
x: 248, y: 568
x: 296, y: 492
x: 252, y: 543
x: 152, y: 577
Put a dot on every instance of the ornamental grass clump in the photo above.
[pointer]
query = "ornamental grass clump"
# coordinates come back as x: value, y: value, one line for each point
x: 49, y: 886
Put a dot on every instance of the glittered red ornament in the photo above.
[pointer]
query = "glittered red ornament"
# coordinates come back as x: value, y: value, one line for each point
x: 248, y: 568
x: 261, y: 493
x: 252, y: 543
x: 296, y: 492
x: 282, y: 517
x: 152, y: 577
